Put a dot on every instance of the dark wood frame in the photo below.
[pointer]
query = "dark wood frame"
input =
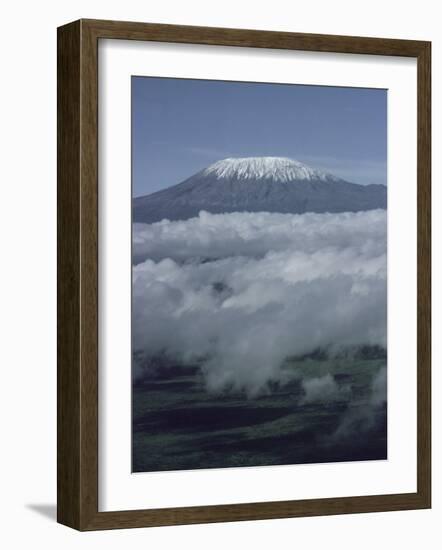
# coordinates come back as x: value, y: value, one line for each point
x: 78, y: 268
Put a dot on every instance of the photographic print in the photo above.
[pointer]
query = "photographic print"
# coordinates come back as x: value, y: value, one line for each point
x: 259, y: 274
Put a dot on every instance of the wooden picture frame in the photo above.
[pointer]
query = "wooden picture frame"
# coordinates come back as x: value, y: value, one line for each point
x: 78, y: 274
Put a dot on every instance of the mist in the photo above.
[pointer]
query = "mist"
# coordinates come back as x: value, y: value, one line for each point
x: 237, y: 294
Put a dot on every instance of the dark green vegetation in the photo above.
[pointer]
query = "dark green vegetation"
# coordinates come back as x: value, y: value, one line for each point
x: 324, y: 411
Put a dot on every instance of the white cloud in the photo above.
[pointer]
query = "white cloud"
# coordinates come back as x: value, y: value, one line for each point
x: 241, y: 292
x: 255, y: 234
x: 323, y: 388
x: 379, y: 388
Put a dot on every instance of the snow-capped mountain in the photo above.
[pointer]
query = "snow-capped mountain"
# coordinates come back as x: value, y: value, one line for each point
x: 258, y: 184
x: 267, y: 168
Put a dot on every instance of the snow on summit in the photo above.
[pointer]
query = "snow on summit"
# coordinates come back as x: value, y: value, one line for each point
x: 275, y: 168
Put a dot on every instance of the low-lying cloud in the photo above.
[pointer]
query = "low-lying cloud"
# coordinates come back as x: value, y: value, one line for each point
x: 239, y: 293
x: 323, y: 388
x: 213, y: 236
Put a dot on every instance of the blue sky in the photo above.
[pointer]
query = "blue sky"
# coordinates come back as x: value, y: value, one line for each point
x: 180, y: 126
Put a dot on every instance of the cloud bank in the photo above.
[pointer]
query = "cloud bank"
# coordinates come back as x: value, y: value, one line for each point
x: 239, y: 293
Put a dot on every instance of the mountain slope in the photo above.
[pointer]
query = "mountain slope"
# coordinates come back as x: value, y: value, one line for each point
x: 257, y: 184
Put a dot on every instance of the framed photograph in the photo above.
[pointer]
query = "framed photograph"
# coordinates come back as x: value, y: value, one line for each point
x: 243, y: 275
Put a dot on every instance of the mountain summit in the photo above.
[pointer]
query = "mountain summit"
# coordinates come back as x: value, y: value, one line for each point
x: 269, y: 168
x: 257, y: 184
